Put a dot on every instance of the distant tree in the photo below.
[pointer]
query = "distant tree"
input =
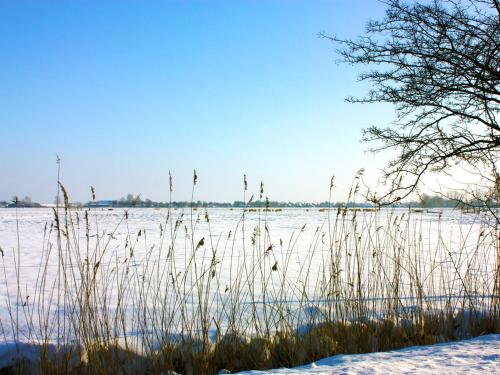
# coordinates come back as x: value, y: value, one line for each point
x: 438, y: 63
x: 433, y: 201
x: 137, y: 199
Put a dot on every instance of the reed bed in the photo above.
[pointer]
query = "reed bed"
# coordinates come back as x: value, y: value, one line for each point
x: 181, y: 297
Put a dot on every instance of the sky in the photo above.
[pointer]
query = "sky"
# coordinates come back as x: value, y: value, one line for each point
x: 126, y: 91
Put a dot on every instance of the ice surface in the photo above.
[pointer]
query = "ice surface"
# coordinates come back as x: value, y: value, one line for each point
x: 299, y: 238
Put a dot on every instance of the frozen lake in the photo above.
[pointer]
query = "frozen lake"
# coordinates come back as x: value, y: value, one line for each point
x: 218, y: 257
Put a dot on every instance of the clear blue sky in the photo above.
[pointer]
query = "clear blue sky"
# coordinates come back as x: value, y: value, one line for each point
x: 126, y: 91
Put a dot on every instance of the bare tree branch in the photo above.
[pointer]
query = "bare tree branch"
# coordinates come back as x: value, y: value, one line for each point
x: 438, y: 63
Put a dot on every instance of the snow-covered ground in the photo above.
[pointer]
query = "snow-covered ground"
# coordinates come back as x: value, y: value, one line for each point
x: 444, y: 241
x: 480, y: 355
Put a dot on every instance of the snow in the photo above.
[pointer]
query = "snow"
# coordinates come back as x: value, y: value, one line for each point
x: 480, y: 355
x: 301, y: 247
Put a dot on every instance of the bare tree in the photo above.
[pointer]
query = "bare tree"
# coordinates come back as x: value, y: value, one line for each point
x: 438, y: 63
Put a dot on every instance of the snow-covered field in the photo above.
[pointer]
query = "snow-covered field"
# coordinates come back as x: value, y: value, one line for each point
x: 480, y: 355
x: 279, y: 258
x: 301, y: 241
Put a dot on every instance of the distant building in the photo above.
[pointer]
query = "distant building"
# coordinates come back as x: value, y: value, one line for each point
x: 101, y: 204
x: 23, y: 204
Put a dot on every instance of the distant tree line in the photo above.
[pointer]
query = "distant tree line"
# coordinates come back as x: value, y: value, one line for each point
x: 26, y: 202
x: 428, y: 201
x: 130, y: 201
x: 424, y: 201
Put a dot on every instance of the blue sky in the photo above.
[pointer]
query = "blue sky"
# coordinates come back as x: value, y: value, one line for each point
x: 126, y: 91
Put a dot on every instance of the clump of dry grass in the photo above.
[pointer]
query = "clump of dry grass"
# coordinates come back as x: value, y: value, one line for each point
x: 176, y: 300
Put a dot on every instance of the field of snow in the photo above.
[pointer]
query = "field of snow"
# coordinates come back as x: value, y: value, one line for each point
x: 259, y: 266
x: 301, y: 241
x: 480, y: 355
